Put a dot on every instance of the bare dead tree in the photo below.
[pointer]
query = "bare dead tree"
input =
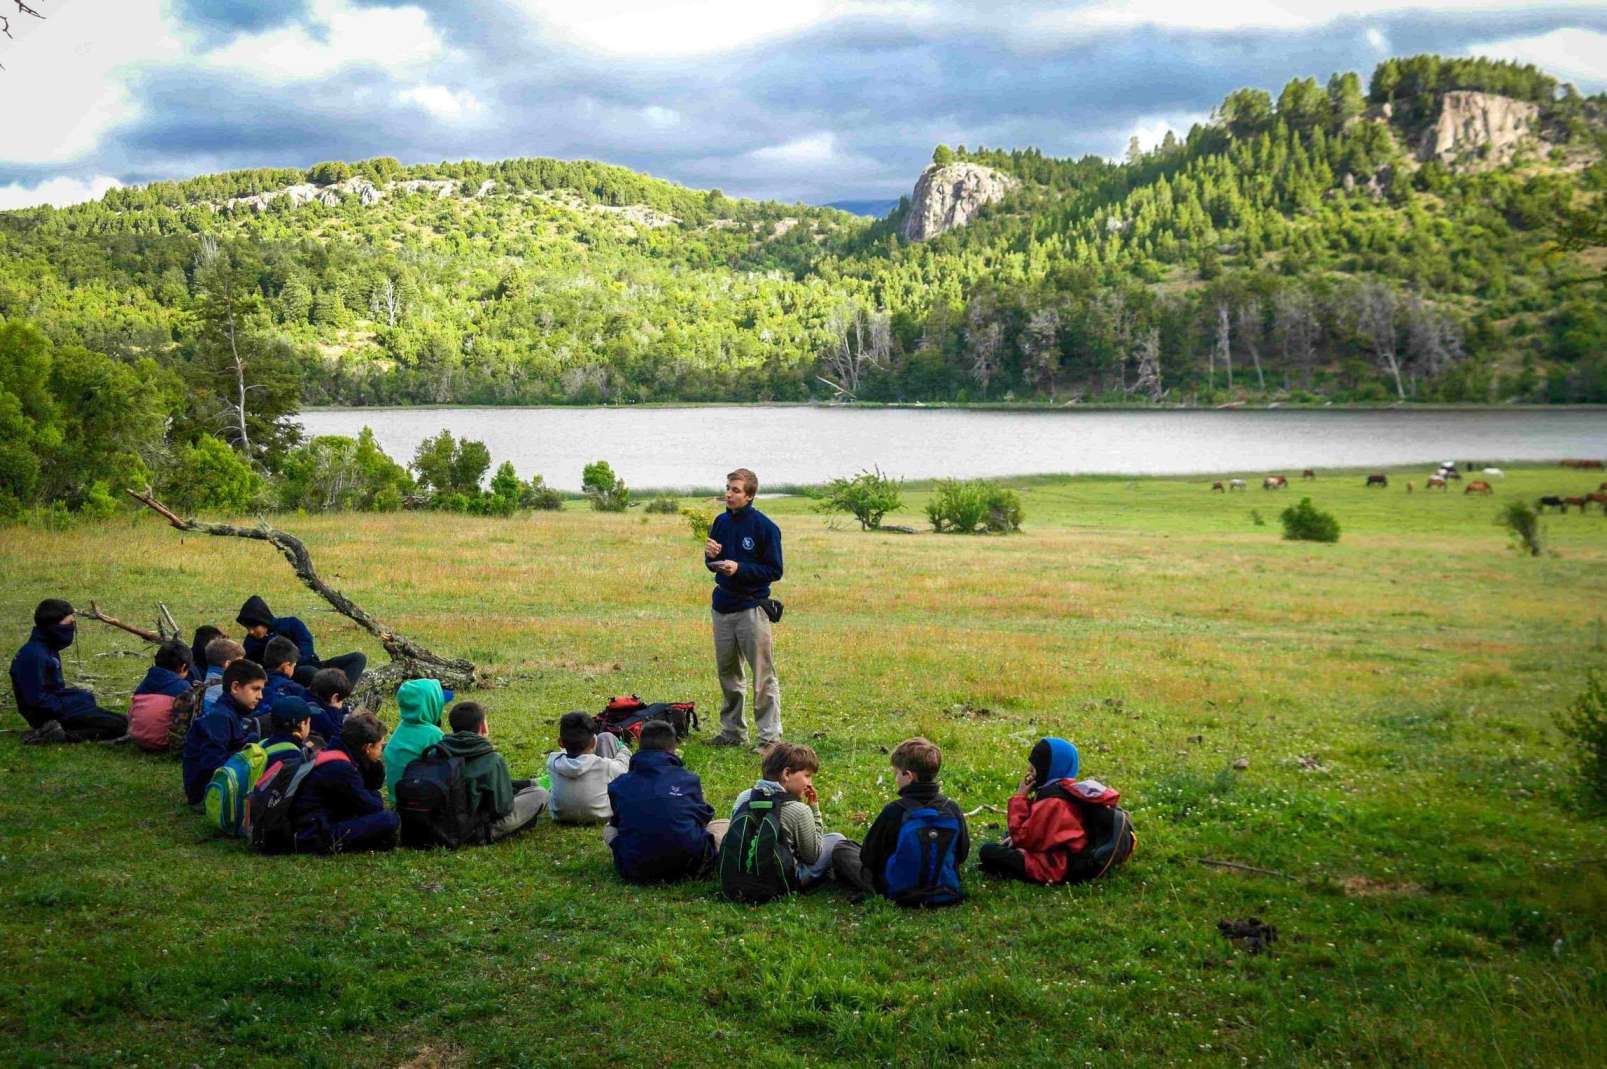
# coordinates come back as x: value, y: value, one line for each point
x: 861, y: 340
x: 5, y: 23
x: 1376, y: 321
x: 1295, y: 328
x: 1433, y: 339
x: 1042, y: 342
x: 409, y: 660
x: 386, y: 300
x: 1249, y: 317
x: 983, y: 340
x: 1224, y: 339
x: 1148, y: 355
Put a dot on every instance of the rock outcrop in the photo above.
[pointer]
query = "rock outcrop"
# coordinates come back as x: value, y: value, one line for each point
x: 366, y: 192
x: 947, y: 197
x: 1482, y: 125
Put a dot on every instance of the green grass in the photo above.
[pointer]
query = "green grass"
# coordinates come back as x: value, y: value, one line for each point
x: 1394, y: 695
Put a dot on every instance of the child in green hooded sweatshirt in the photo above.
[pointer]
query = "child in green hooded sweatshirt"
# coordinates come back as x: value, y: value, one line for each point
x: 420, y: 702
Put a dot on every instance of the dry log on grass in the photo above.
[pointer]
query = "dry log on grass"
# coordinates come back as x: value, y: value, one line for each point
x: 409, y: 660
x: 94, y: 613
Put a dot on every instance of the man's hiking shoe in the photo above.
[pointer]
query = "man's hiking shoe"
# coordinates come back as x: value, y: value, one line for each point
x: 51, y: 731
x: 727, y: 739
x: 764, y: 747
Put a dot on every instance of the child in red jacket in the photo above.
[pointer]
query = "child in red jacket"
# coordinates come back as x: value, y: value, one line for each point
x: 1049, y: 818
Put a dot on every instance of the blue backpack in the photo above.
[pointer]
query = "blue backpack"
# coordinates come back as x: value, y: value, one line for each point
x: 921, y: 870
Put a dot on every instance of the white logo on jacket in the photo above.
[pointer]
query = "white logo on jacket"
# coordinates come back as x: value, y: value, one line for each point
x: 747, y: 543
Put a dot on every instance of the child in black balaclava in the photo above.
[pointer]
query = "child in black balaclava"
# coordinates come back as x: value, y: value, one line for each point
x: 55, y: 711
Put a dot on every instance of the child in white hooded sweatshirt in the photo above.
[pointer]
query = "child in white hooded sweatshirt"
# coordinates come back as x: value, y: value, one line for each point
x: 582, y: 771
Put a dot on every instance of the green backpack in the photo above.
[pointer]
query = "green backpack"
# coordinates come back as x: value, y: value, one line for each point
x: 225, y: 798
x: 755, y: 864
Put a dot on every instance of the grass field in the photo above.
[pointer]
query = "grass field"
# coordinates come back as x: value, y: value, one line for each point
x: 1394, y: 695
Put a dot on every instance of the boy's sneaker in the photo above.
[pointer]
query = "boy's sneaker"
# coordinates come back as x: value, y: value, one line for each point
x: 49, y: 732
x: 725, y: 738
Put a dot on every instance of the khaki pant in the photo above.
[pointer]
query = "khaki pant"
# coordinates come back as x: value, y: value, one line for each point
x: 528, y: 804
x: 744, y: 638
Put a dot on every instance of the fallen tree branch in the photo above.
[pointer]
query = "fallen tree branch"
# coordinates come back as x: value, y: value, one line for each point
x: 94, y: 613
x: 984, y: 807
x: 409, y: 660
x: 1236, y: 866
x: 165, y: 622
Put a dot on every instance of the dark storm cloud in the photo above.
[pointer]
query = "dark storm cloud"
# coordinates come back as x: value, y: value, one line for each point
x: 845, y: 109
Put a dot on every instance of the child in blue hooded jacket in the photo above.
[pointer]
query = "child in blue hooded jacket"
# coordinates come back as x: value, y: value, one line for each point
x: 219, y: 733
x: 55, y: 711
x: 663, y: 829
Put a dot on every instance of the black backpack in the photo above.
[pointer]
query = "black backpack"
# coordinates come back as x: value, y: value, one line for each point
x: 270, y: 807
x: 432, y: 798
x: 1111, y: 839
x: 754, y: 863
x: 624, y: 716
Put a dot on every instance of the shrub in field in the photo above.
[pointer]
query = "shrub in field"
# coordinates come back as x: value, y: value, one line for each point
x: 1523, y: 524
x: 963, y: 506
x: 209, y: 474
x: 1306, y: 522
x: 446, y: 466
x: 536, y: 494
x: 606, y: 490
x: 335, y: 472
x: 1585, y: 722
x: 868, y: 497
x: 667, y: 506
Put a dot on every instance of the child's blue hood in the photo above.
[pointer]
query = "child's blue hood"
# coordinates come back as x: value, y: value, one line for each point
x: 1052, y: 759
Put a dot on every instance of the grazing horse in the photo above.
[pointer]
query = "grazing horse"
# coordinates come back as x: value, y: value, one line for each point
x: 1550, y: 501
x: 1236, y: 484
x: 1573, y: 501
x: 1217, y: 486
x: 1452, y: 473
x: 1599, y: 498
x: 1479, y: 486
x: 1408, y: 486
x: 1435, y: 482
x: 1376, y: 479
x: 1308, y: 474
x: 1274, y: 482
x: 1603, y: 486
x: 1585, y: 465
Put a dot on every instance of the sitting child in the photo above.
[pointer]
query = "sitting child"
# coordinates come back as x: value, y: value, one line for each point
x: 582, y: 771
x: 56, y: 712
x: 1056, y: 824
x: 420, y: 702
x: 203, y: 635
x: 219, y: 733
x: 510, y: 806
x: 289, y: 721
x: 150, y: 710
x: 260, y: 624
x: 337, y: 808
x: 330, y: 689
x: 220, y: 653
x: 281, y: 668
x: 662, y: 828
x: 788, y: 774
x: 915, y: 766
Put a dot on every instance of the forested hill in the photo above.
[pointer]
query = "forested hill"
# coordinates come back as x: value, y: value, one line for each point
x: 1397, y: 239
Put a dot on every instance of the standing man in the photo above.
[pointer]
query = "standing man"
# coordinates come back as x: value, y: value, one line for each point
x: 744, y: 553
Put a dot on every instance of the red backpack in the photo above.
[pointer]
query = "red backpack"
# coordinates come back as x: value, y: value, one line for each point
x: 624, y: 716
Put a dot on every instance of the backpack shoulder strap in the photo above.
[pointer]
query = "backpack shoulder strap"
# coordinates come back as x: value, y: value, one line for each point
x: 325, y: 757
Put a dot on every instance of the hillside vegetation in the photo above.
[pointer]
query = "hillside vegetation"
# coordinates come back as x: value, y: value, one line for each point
x: 1294, y: 248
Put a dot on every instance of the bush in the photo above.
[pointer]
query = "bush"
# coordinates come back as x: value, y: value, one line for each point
x: 1585, y: 722
x: 868, y: 497
x: 1523, y: 524
x: 539, y: 496
x: 1305, y: 522
x: 448, y: 466
x: 667, y: 506
x: 605, y: 489
x: 962, y: 506
x: 335, y: 472
x: 211, y: 475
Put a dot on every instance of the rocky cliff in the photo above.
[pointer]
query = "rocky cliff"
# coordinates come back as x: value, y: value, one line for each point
x: 1484, y: 125
x: 947, y: 197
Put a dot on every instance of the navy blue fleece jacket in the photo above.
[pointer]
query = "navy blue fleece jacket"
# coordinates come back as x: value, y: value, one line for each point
x: 752, y: 539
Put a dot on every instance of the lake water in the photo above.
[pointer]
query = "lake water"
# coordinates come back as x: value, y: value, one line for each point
x: 685, y: 448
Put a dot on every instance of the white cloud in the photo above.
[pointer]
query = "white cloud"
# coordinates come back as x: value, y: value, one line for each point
x: 58, y: 191
x: 802, y: 152
x: 1102, y: 16
x: 661, y: 117
x: 65, y: 75
x: 445, y: 104
x: 1151, y: 129
x: 1572, y: 54
x: 336, y: 36
x: 1377, y: 40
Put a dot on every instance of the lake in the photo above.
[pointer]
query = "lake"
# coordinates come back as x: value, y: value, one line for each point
x: 693, y: 447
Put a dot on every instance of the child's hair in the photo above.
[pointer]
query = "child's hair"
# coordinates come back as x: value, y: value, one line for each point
x: 222, y: 650
x: 359, y: 730
x: 328, y: 682
x: 203, y: 635
x: 172, y: 655
x: 658, y: 735
x: 240, y: 672
x: 920, y: 756
x: 466, y: 716
x: 789, y: 755
x: 576, y: 732
x: 280, y: 650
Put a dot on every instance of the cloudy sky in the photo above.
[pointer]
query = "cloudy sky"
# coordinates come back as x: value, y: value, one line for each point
x: 811, y: 100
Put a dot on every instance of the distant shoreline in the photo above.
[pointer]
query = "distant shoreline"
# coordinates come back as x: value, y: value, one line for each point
x: 987, y: 406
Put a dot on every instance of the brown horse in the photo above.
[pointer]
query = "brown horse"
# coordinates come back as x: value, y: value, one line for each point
x: 1599, y: 498
x: 1274, y: 482
x: 1309, y: 474
x: 1579, y: 501
x: 1377, y: 479
x: 1479, y: 486
x: 1218, y: 487
x: 1435, y: 482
